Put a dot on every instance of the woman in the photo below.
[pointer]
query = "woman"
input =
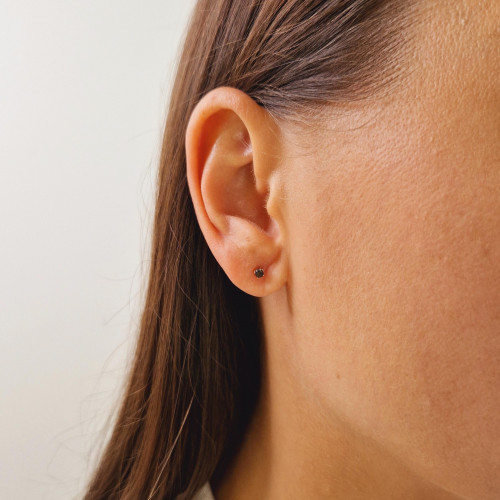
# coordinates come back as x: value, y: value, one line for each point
x: 322, y: 313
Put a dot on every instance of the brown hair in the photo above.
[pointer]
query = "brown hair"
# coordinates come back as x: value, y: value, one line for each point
x: 196, y: 372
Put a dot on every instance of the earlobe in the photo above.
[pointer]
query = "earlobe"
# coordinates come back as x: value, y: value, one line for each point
x: 231, y: 157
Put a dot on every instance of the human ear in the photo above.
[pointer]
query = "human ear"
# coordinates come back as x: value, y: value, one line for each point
x: 231, y: 158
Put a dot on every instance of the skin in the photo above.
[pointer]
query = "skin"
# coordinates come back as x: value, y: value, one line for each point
x: 379, y: 232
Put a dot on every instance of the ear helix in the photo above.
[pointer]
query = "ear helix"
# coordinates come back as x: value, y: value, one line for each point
x: 259, y: 273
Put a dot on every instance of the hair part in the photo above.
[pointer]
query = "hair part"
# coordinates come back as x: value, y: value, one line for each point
x: 195, y: 376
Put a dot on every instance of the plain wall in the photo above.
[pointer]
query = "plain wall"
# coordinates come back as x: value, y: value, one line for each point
x: 83, y: 93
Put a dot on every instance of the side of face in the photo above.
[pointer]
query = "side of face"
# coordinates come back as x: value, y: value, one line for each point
x: 393, y: 231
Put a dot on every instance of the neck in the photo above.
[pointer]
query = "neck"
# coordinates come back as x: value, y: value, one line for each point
x: 291, y: 450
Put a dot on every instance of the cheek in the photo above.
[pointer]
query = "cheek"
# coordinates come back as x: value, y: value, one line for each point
x: 396, y: 293
x: 395, y: 273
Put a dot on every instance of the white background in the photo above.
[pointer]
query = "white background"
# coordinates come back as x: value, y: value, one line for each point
x: 83, y: 93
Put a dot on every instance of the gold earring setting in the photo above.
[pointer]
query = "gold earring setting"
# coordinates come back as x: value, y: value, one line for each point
x: 259, y: 273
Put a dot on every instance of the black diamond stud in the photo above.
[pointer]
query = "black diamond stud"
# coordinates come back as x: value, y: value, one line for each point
x: 259, y: 272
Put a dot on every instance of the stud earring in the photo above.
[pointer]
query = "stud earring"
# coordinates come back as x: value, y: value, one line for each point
x: 259, y: 273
